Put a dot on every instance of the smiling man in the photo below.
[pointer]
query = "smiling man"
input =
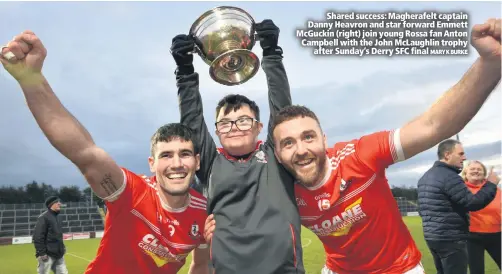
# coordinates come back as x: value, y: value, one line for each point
x: 342, y: 191
x: 445, y: 203
x: 152, y: 224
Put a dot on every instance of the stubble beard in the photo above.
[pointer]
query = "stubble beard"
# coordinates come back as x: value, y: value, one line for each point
x: 312, y: 177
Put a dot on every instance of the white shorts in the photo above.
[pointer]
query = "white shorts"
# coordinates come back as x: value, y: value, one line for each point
x: 419, y: 269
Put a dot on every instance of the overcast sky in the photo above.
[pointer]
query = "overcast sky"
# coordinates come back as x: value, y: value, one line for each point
x: 109, y: 64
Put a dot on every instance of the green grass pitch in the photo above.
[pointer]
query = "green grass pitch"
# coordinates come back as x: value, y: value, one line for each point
x: 19, y: 259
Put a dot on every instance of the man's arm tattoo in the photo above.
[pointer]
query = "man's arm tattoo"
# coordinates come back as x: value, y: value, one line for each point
x: 107, y: 184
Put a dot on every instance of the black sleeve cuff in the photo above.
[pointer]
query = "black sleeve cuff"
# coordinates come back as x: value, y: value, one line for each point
x: 490, y: 185
x: 273, y: 51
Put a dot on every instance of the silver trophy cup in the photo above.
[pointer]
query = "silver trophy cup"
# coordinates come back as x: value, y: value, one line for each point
x: 224, y: 37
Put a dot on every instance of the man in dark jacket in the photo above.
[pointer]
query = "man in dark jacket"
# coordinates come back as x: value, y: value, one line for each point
x: 250, y: 194
x: 48, y: 239
x: 444, y: 205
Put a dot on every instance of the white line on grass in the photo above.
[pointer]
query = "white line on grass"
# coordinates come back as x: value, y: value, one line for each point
x: 307, y: 244
x: 87, y: 260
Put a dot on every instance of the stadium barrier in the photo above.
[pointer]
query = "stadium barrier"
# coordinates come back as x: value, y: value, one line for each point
x: 19, y: 220
x: 66, y: 237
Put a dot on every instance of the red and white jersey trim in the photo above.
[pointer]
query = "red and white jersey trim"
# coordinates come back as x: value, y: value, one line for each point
x: 395, y: 146
x: 197, y: 203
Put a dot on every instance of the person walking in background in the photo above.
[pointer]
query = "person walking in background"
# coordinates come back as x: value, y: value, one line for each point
x: 484, y: 224
x: 444, y: 203
x: 48, y: 239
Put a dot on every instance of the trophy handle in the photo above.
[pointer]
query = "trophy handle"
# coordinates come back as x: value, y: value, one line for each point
x: 196, y: 50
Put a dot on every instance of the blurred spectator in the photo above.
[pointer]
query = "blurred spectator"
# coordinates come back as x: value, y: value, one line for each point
x: 484, y: 224
x: 48, y: 239
x: 444, y: 204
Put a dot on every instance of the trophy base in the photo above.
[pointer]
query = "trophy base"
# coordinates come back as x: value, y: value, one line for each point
x: 234, y: 67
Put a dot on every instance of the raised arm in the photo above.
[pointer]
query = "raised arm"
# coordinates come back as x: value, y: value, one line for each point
x: 451, y: 113
x: 458, y: 193
x: 23, y: 58
x: 190, y: 103
x: 279, y: 93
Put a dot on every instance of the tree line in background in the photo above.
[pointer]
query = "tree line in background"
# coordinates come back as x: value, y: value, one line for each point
x: 35, y: 192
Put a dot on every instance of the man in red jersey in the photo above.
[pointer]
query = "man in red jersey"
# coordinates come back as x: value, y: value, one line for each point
x: 161, y: 217
x: 152, y: 224
x: 342, y: 193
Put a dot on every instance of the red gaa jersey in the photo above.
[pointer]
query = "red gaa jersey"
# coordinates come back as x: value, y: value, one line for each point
x: 143, y: 235
x: 353, y: 211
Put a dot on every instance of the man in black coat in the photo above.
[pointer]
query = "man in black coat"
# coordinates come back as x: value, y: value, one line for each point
x: 48, y: 239
x: 444, y: 204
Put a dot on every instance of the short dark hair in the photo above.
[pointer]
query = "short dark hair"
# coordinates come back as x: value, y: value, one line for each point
x: 233, y: 102
x: 293, y: 112
x: 170, y: 132
x: 446, y: 146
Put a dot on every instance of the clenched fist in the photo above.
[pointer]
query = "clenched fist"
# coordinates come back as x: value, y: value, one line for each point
x: 23, y: 57
x: 268, y: 35
x: 486, y: 39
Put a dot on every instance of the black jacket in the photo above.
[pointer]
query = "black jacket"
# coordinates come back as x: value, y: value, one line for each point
x: 253, y: 202
x: 48, y: 235
x: 445, y: 201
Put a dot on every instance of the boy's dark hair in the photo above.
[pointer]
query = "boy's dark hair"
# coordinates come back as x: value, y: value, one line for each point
x: 446, y: 146
x: 170, y: 132
x: 233, y: 102
x: 293, y: 112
